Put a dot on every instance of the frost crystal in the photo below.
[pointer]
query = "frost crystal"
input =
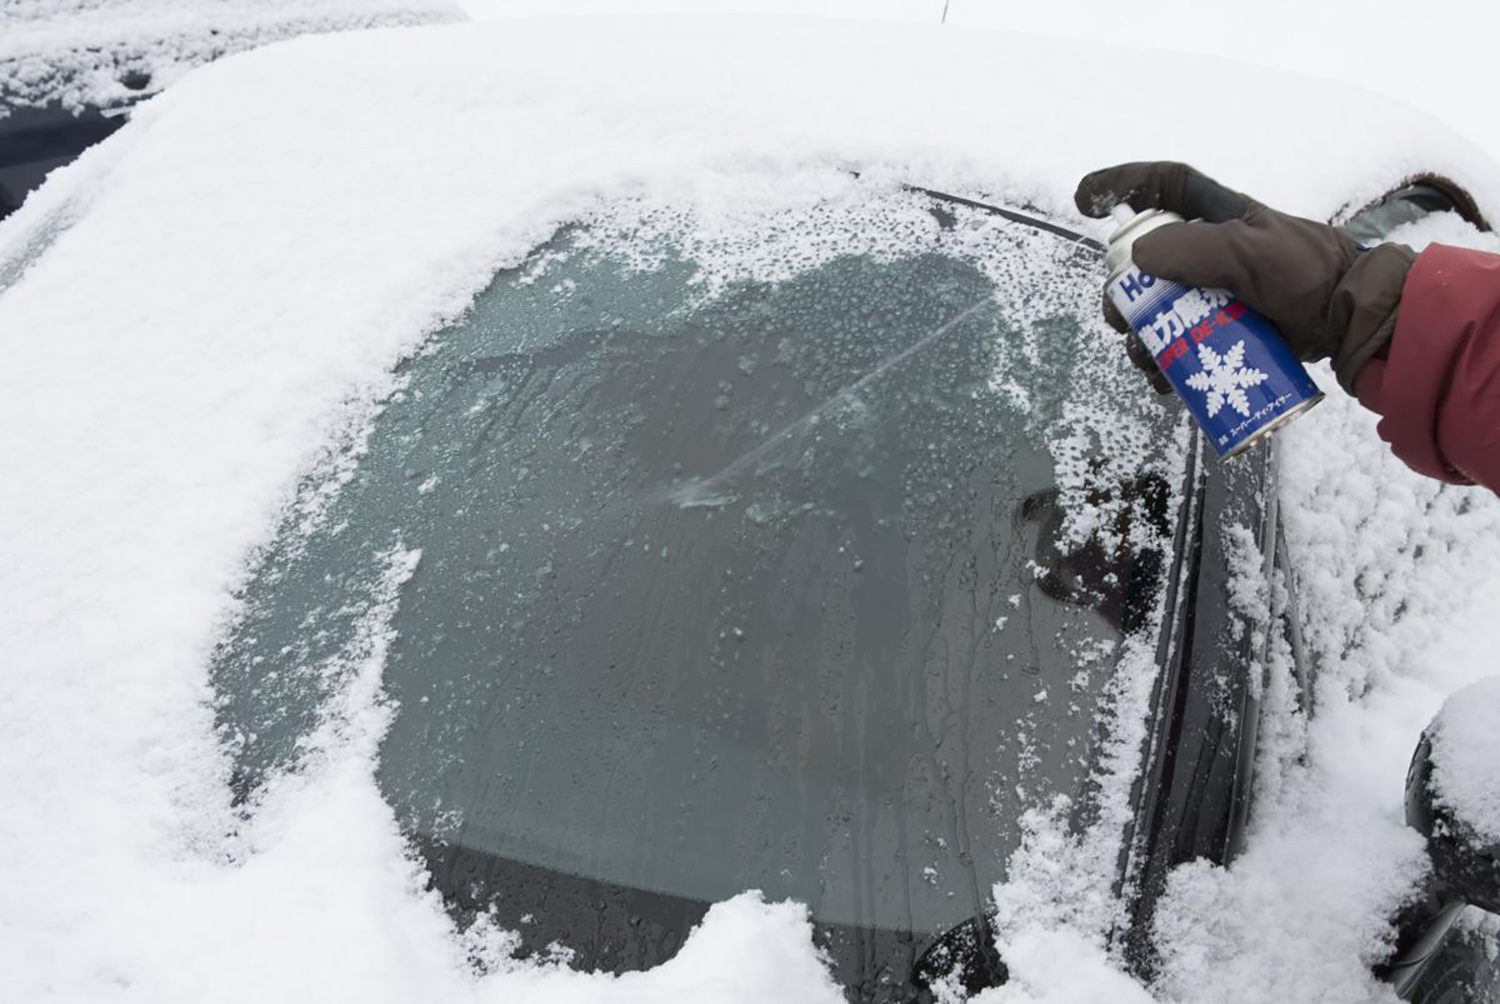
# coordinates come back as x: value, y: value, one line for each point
x: 1224, y: 378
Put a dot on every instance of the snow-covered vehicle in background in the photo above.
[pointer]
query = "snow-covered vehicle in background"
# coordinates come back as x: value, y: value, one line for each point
x: 70, y: 72
x: 663, y: 498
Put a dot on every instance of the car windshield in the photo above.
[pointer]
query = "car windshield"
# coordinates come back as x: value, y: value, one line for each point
x: 697, y: 567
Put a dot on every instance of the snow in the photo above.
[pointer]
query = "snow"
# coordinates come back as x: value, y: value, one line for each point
x: 1465, y: 761
x: 1439, y: 61
x: 1059, y: 966
x: 893, y: 10
x: 208, y: 305
x: 77, y: 51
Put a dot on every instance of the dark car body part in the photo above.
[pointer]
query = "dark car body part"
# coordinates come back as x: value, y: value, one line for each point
x: 1194, y: 789
x: 618, y: 928
x: 1423, y: 925
x: 1413, y: 198
x: 1435, y: 961
x: 34, y: 141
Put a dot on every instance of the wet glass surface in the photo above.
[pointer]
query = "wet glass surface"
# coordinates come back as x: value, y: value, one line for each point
x: 756, y: 589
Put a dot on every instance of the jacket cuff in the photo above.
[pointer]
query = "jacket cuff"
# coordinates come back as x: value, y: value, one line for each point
x: 1364, y: 304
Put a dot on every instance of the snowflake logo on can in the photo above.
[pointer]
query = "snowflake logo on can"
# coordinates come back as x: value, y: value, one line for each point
x: 1224, y: 379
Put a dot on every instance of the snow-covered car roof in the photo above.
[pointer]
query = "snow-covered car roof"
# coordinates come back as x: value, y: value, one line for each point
x: 97, y: 52
x: 199, y: 303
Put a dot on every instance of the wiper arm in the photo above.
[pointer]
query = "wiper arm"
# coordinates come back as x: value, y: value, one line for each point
x: 1025, y: 219
x: 965, y: 955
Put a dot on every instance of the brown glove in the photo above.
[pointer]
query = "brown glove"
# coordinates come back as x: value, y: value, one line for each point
x: 1328, y: 296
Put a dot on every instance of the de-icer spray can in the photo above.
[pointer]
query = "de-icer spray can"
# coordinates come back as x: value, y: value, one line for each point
x: 1227, y: 363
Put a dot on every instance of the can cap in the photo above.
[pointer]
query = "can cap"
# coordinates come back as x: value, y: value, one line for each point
x: 1130, y: 226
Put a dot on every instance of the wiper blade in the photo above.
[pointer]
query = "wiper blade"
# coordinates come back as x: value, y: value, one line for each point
x: 1025, y: 219
x: 964, y: 955
x: 1015, y: 216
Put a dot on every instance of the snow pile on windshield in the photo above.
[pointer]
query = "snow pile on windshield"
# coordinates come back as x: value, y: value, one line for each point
x: 1465, y: 767
x: 98, y: 52
x: 199, y: 305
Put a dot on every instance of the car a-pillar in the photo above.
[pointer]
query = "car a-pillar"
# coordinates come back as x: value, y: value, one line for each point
x: 1450, y: 789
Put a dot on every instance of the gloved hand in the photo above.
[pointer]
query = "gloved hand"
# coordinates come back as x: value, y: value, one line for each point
x: 1327, y: 296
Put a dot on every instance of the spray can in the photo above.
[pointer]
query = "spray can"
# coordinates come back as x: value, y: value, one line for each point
x: 1226, y: 362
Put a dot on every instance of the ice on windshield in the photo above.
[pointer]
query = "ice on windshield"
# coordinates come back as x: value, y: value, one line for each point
x: 795, y: 563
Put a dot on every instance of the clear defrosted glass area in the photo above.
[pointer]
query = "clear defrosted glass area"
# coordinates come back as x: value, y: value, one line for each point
x: 732, y: 576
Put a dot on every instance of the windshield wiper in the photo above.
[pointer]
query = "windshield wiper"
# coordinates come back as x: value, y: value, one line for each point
x: 1026, y: 220
x: 965, y: 955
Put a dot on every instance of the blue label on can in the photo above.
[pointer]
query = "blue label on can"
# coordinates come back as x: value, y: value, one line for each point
x: 1226, y: 362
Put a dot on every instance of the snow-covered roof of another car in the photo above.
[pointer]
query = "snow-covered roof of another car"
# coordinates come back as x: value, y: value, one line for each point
x: 209, y: 296
x: 97, y: 52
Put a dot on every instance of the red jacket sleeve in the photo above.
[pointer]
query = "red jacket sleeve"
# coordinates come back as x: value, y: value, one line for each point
x: 1438, y: 389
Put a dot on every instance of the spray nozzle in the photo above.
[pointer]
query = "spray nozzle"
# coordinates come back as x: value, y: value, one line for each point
x: 1122, y: 214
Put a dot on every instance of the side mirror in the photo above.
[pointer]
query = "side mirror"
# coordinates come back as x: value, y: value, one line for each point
x: 1452, y: 799
x: 1419, y: 196
x: 1461, y: 836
